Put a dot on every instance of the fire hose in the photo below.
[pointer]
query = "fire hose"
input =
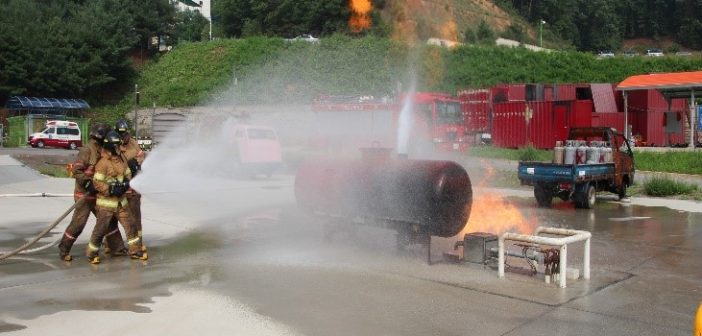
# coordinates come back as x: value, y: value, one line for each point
x: 23, y: 249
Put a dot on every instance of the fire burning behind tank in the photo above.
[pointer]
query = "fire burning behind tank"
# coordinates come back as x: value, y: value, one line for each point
x: 360, y: 15
x: 493, y: 213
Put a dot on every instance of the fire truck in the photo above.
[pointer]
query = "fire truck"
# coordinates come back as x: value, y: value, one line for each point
x: 433, y: 123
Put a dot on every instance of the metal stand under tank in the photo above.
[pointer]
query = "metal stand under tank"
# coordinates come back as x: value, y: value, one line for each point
x: 476, y: 247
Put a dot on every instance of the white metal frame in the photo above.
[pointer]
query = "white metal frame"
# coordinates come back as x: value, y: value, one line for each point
x: 569, y: 236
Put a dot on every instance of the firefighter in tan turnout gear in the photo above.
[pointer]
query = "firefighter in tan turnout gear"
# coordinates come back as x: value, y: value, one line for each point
x: 111, y: 180
x: 134, y: 157
x: 83, y: 169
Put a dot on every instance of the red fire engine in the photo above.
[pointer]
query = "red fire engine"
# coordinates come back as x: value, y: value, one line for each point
x: 346, y: 123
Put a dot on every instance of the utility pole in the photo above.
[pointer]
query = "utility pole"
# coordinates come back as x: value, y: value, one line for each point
x: 136, y: 108
x: 541, y: 32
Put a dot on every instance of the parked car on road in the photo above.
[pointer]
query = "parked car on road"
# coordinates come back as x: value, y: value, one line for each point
x: 605, y: 54
x: 304, y: 37
x: 57, y: 133
x: 654, y: 52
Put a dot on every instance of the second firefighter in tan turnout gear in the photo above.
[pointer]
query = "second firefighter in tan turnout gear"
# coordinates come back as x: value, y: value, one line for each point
x: 83, y: 170
x: 134, y: 157
x: 111, y: 180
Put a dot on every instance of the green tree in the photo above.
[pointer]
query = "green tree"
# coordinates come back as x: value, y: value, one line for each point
x: 78, y: 50
x: 151, y: 19
x: 286, y: 18
x: 600, y: 26
x: 190, y: 26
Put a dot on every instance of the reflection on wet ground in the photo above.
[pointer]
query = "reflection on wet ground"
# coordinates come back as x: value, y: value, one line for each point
x: 647, y: 277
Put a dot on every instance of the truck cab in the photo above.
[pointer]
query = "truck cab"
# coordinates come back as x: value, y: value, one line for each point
x: 257, y: 148
x: 438, y: 119
x: 580, y: 180
x: 57, y: 133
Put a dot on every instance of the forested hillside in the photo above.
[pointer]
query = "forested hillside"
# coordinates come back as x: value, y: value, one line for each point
x: 604, y: 24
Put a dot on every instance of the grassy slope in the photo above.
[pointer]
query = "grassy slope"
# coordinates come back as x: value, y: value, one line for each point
x: 299, y: 71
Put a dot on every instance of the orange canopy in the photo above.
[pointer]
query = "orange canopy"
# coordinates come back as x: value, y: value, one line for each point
x: 672, y: 81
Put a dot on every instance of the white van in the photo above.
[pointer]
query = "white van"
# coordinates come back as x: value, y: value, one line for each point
x: 57, y: 133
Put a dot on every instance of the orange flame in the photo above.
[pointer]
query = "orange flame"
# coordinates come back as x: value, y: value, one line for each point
x: 493, y: 213
x: 360, y: 15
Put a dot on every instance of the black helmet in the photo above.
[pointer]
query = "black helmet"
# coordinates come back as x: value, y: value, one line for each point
x: 121, y: 126
x: 98, y: 131
x: 112, y: 141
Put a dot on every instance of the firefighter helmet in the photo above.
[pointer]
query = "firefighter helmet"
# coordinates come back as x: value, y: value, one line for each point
x: 121, y: 126
x: 98, y: 131
x: 112, y: 141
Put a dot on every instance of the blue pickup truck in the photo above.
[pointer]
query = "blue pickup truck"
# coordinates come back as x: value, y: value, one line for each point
x: 581, y: 182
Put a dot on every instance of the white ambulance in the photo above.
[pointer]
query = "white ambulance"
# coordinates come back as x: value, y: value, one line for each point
x: 57, y: 133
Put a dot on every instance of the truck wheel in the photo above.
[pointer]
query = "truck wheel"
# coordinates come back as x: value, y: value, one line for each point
x: 543, y: 196
x: 622, y: 192
x: 72, y: 146
x: 590, y: 198
x: 40, y: 144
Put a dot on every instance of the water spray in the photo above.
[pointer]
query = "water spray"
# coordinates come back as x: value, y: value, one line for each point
x: 406, y: 119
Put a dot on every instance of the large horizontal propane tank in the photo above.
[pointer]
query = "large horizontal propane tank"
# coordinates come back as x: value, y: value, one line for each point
x: 428, y: 197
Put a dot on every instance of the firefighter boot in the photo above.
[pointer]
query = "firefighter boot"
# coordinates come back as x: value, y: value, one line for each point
x: 92, y: 253
x: 65, y: 247
x: 135, y: 249
x: 114, y: 245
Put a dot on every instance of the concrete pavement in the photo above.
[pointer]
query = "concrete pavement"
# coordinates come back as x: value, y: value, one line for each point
x: 232, y: 256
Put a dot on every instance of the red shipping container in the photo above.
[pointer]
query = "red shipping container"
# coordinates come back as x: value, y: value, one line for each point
x: 517, y: 124
x: 562, y: 114
x: 508, y: 124
x: 549, y: 94
x: 517, y: 92
x: 582, y: 114
x: 603, y: 97
x: 474, y: 95
x: 646, y: 116
x: 548, y: 125
x: 564, y: 92
x: 610, y: 119
x: 476, y: 116
x: 499, y: 93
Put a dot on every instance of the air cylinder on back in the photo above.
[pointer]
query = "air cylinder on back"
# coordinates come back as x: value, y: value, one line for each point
x: 430, y: 197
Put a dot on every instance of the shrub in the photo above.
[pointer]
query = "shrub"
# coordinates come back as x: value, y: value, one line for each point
x: 529, y: 153
x: 661, y: 187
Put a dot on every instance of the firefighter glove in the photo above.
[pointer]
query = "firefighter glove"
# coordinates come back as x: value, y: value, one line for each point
x: 90, y: 187
x: 134, y: 166
x: 117, y: 189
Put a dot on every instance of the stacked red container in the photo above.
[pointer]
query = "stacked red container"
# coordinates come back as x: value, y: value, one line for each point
x: 518, y: 124
x: 647, y: 116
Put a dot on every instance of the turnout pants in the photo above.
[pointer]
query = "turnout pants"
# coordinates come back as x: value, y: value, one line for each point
x: 134, y: 207
x: 104, y: 218
x: 80, y: 218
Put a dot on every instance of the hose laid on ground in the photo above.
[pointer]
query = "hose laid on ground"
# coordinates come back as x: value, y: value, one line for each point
x: 43, y: 233
x: 36, y: 195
